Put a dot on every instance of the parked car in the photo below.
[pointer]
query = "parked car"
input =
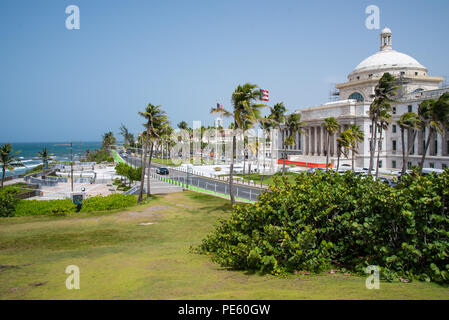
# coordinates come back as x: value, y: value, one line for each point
x: 426, y: 171
x: 315, y: 170
x: 162, y: 171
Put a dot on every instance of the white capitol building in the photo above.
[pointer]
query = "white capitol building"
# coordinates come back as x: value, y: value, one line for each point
x: 355, y: 98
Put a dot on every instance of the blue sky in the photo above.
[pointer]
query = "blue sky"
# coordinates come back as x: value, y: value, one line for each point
x: 60, y: 85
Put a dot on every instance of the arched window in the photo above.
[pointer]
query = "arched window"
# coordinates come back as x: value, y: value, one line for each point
x: 357, y: 96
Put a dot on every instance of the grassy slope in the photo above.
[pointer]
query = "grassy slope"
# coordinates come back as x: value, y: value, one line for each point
x: 268, y: 180
x: 119, y: 259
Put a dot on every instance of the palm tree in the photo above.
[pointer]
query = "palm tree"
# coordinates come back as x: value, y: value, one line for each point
x: 343, y: 145
x: 293, y: 124
x: 108, y: 140
x: 45, y: 156
x: 183, y: 125
x: 384, y: 119
x: 383, y: 93
x: 8, y: 159
x: 128, y: 138
x: 357, y: 135
x: 408, y: 122
x: 331, y: 126
x: 266, y: 126
x: 156, y: 118
x: 245, y: 109
x: 434, y: 115
x: 277, y: 117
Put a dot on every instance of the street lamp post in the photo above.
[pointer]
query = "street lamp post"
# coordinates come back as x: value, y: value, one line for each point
x: 71, y: 165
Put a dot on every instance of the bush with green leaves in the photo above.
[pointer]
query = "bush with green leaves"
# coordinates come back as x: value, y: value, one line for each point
x: 328, y: 219
x: 48, y: 207
x: 98, y: 156
x: 8, y: 202
x: 130, y: 172
x: 111, y: 202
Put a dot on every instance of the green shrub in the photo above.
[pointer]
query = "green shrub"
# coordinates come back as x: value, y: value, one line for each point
x: 8, y: 202
x: 344, y: 220
x: 49, y: 207
x: 111, y: 202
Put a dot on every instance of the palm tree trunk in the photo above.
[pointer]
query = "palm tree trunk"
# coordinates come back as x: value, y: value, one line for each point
x: 379, y: 149
x: 144, y: 160
x: 426, y: 147
x: 264, y: 154
x: 244, y: 156
x: 373, y: 145
x: 404, y: 147
x: 3, y: 175
x: 410, y: 146
x: 283, y: 156
x: 231, y: 171
x: 149, y: 170
x: 352, y: 158
x: 338, y: 159
x: 327, y: 150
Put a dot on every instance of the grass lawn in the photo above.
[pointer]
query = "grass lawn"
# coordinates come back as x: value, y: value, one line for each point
x: 268, y: 180
x: 120, y: 259
x: 166, y: 162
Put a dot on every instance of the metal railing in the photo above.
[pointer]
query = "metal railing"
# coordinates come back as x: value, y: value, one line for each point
x: 192, y: 182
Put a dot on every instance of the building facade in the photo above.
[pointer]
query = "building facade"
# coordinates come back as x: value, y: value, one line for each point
x: 356, y: 95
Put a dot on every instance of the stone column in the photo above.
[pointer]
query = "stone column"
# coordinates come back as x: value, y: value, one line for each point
x: 323, y: 142
x: 305, y: 137
x: 334, y: 144
x: 440, y: 146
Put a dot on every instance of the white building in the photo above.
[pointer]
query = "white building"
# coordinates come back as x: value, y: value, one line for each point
x: 352, y: 108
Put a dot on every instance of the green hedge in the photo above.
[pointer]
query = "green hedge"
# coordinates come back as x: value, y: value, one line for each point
x: 111, y: 202
x: 49, y: 207
x: 11, y: 206
x: 329, y: 220
x: 8, y: 201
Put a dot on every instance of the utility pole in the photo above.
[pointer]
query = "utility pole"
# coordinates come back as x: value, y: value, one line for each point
x: 71, y: 165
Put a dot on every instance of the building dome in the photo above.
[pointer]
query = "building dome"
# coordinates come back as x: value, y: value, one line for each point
x: 387, y: 58
x: 386, y: 31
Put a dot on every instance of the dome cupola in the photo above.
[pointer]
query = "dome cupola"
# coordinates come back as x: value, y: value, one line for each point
x: 387, y: 59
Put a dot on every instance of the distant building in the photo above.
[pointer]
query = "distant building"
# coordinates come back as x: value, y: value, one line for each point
x: 355, y: 98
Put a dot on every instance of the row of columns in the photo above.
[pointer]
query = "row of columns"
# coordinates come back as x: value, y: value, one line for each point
x: 286, y: 133
x: 442, y: 144
x: 315, y: 141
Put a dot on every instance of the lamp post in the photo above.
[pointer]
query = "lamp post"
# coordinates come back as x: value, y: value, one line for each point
x: 71, y: 165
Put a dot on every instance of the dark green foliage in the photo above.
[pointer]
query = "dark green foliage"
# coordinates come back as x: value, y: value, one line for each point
x: 100, y: 155
x: 330, y: 219
x: 132, y: 173
x: 111, y: 202
x: 11, y: 206
x: 50, y: 207
x: 8, y: 202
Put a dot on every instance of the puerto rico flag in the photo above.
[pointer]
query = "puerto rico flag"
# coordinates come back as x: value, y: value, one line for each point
x: 265, y: 96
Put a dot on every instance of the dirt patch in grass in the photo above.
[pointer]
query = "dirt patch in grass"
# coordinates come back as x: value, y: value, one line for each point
x: 147, y: 213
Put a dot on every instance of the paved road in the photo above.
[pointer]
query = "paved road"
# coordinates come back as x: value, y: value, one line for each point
x: 244, y: 192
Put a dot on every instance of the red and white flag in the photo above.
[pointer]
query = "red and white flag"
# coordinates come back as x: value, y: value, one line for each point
x: 265, y: 96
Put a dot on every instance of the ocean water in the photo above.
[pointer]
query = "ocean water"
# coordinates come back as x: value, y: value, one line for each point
x: 60, y: 151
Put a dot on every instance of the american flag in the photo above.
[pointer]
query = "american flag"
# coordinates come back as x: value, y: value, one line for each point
x: 265, y: 96
x: 219, y: 106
